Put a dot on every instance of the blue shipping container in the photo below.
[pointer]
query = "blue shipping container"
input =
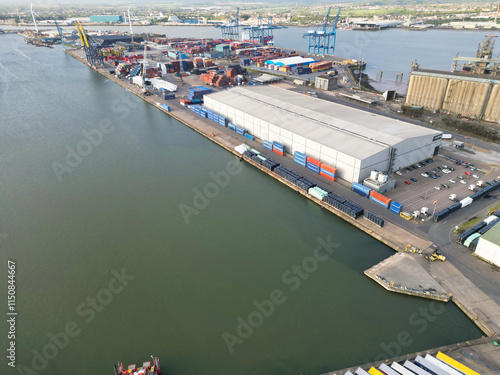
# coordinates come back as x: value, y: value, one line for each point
x: 396, y: 207
x: 299, y: 161
x: 278, y: 146
x: 312, y: 167
x: 300, y: 155
x: 379, y: 202
x: 232, y: 126
x: 360, y: 188
x: 327, y: 172
x: 251, y: 137
x: 268, y: 145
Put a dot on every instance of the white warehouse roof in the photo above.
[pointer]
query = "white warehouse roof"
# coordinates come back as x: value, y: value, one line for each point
x: 294, y: 60
x: 354, y: 132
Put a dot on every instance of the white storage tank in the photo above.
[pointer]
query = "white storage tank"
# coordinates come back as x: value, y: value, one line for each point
x: 382, y: 178
x: 374, y: 175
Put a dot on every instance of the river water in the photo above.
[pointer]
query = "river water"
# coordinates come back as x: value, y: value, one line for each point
x: 93, y: 184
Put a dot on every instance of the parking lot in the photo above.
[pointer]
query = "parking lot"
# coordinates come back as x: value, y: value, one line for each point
x: 415, y: 191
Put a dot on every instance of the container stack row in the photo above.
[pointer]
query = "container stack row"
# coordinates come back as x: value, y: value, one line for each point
x: 279, y: 148
x: 315, y: 165
x: 447, y: 211
x: 376, y: 197
x: 344, y: 205
x: 287, y: 174
x: 485, y: 191
x: 465, y: 202
x: 470, y: 237
x: 196, y: 93
x: 374, y: 219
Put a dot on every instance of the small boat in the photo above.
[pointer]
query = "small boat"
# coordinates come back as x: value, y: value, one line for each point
x: 146, y: 369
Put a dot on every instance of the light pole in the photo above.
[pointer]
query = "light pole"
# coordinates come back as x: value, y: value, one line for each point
x: 434, y: 210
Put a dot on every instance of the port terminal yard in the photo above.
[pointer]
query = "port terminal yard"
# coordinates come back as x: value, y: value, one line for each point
x: 396, y: 232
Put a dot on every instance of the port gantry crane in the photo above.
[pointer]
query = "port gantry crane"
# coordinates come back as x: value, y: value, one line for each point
x: 262, y: 33
x: 91, y: 47
x: 232, y: 29
x: 59, y: 29
x: 322, y: 40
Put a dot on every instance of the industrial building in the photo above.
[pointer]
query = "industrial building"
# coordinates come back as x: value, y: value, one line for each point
x: 466, y: 94
x: 488, y: 247
x: 351, y: 140
x: 106, y: 19
x: 471, y: 89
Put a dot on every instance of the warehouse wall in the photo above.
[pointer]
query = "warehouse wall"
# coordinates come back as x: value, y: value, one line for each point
x: 488, y: 251
x: 349, y: 168
x: 413, y: 150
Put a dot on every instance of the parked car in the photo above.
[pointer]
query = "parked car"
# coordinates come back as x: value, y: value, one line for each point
x: 407, y: 170
x: 475, y: 176
x: 444, y: 166
x: 437, y: 187
x: 452, y: 181
x: 407, y: 182
x: 445, y: 186
x: 432, y: 176
x: 460, y: 177
x: 463, y: 182
x: 437, y: 175
x: 413, y: 179
x: 446, y: 171
x: 468, y: 173
x: 424, y: 174
x: 399, y: 173
x: 451, y: 169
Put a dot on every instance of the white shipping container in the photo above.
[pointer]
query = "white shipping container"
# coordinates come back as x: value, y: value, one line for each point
x: 241, y: 149
x: 465, y: 202
x: 489, y: 219
x: 137, y: 80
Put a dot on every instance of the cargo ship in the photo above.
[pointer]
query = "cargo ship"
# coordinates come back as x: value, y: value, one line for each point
x: 146, y: 369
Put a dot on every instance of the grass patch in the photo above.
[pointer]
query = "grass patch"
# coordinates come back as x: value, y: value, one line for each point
x: 495, y: 208
x: 469, y: 223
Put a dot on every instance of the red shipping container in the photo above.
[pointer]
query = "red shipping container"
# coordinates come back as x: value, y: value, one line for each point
x: 327, y: 176
x: 380, y: 197
x: 279, y: 152
x: 313, y: 161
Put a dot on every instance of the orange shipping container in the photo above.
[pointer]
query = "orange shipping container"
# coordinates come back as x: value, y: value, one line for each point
x: 328, y: 168
x: 380, y: 197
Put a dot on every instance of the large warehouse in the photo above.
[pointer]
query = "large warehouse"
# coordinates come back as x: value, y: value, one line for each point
x: 351, y: 140
x: 488, y: 247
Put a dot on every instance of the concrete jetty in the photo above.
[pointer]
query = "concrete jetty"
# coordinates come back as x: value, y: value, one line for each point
x: 404, y: 273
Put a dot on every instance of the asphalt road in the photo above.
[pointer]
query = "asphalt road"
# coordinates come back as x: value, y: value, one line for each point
x: 482, y: 274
